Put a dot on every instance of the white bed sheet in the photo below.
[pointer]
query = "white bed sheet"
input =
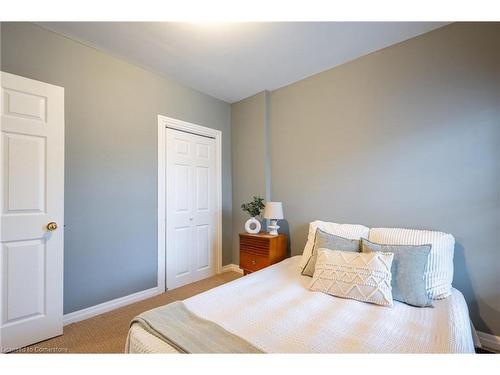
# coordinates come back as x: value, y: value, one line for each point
x: 274, y: 310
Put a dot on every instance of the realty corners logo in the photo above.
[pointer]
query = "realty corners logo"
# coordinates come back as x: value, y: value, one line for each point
x: 35, y: 349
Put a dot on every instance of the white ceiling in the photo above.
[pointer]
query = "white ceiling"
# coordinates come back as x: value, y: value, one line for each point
x: 232, y: 61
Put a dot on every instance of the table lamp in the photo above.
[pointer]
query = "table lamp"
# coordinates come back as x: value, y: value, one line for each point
x: 274, y: 212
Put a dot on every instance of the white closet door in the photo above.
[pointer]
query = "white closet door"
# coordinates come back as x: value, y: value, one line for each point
x: 32, y: 196
x: 190, y: 207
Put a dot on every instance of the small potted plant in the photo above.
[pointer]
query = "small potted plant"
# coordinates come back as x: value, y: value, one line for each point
x: 253, y: 208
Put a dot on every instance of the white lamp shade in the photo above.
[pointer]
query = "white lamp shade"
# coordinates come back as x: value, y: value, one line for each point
x: 273, y: 210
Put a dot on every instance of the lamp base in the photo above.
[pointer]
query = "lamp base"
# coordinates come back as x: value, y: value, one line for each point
x: 273, y: 228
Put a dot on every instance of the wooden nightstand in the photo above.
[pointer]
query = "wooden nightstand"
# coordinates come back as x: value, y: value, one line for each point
x: 260, y: 250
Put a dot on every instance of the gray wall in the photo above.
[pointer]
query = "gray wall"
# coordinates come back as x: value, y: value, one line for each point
x: 408, y: 136
x: 248, y: 142
x: 111, y: 158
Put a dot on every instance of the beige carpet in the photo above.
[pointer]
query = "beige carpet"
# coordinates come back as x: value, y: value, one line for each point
x: 106, y: 333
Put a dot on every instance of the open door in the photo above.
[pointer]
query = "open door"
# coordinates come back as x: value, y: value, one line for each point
x: 32, y: 211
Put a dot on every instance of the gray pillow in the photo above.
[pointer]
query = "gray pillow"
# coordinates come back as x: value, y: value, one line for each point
x: 408, y: 269
x: 328, y: 241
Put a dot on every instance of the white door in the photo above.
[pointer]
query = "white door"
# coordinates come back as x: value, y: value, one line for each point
x: 190, y: 207
x: 31, y: 197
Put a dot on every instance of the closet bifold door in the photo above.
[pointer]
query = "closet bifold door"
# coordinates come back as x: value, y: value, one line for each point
x: 190, y: 207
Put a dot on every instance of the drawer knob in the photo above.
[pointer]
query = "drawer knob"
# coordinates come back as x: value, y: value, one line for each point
x: 254, y: 261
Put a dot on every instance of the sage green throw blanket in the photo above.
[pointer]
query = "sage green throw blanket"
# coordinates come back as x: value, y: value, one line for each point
x: 188, y: 333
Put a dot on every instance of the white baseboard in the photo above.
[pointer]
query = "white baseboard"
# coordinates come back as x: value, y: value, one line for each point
x: 232, y: 267
x: 489, y: 341
x: 92, y: 311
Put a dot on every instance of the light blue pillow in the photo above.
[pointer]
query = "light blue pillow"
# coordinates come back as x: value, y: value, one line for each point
x: 324, y: 240
x: 408, y: 269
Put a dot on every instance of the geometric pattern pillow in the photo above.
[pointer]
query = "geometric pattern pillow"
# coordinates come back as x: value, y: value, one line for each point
x: 365, y: 277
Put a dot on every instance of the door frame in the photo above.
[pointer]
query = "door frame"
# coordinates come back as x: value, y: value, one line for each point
x: 165, y: 122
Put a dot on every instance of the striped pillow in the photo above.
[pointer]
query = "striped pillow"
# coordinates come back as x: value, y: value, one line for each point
x: 439, y: 270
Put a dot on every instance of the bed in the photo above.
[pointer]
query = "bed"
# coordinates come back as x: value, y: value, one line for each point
x: 274, y: 310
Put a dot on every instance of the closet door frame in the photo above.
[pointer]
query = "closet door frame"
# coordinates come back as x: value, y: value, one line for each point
x: 165, y: 122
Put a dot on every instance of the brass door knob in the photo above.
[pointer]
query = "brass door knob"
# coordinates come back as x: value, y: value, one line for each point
x: 52, y: 226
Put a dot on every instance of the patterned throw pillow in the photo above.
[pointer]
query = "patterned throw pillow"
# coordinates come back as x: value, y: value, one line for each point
x: 329, y: 241
x: 365, y: 277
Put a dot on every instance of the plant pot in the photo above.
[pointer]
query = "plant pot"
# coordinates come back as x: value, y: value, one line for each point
x: 253, y: 226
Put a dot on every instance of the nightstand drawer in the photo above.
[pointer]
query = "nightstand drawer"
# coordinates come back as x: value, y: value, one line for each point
x: 255, y: 245
x: 252, y: 262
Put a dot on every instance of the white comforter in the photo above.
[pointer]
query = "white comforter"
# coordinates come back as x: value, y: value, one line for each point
x: 274, y: 310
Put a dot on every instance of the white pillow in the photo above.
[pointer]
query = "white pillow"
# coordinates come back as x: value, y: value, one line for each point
x: 439, y: 270
x: 350, y: 231
x: 365, y: 277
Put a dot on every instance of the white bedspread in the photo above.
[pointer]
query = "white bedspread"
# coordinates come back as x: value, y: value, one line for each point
x: 274, y: 310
